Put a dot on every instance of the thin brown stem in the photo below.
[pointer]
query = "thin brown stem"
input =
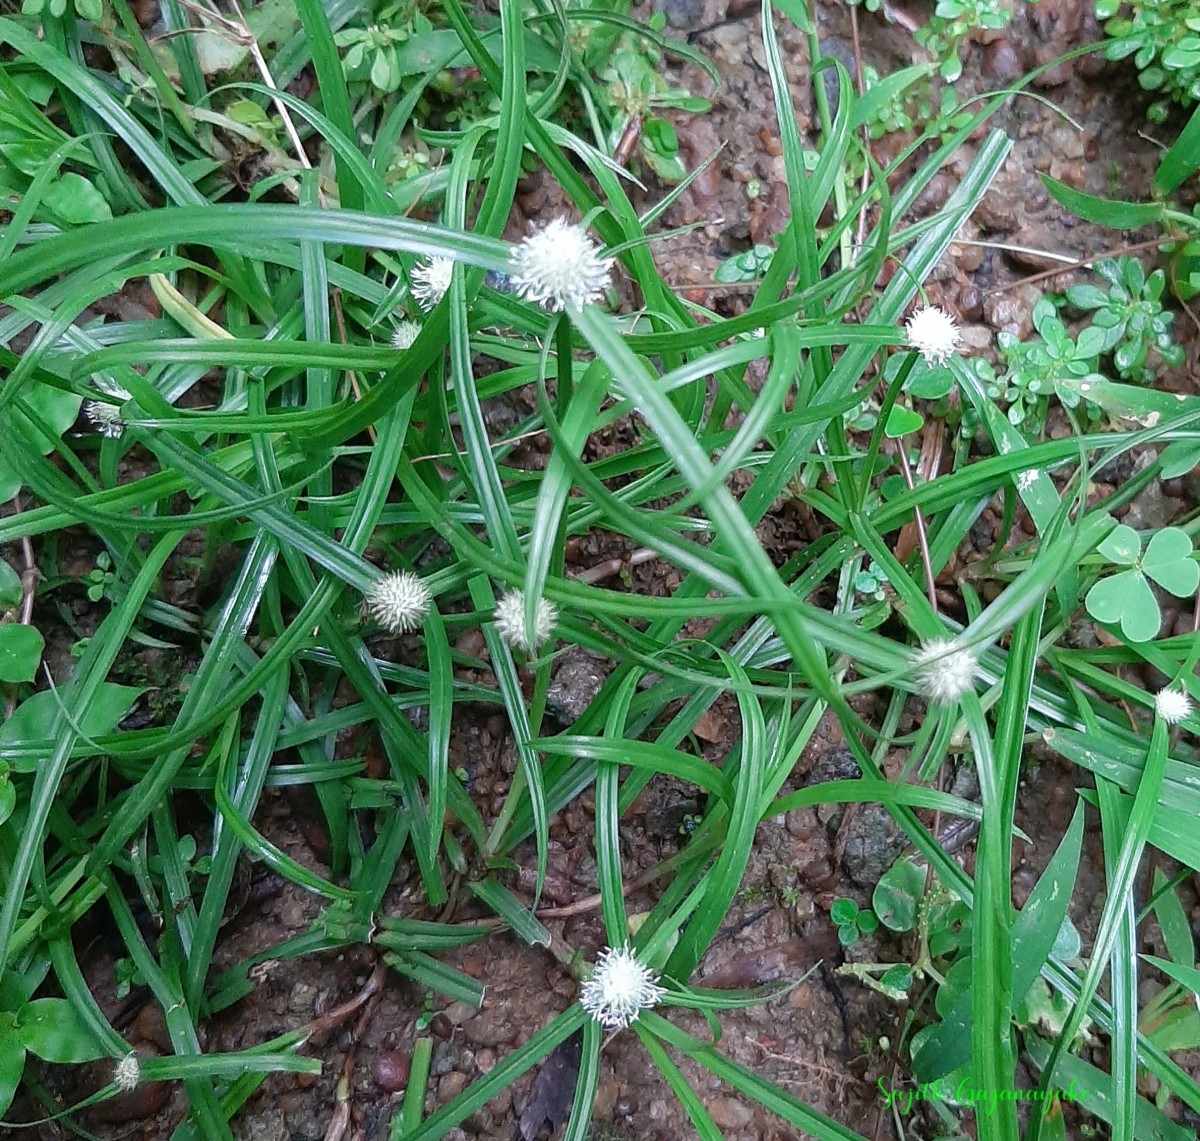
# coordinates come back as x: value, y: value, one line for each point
x: 919, y: 520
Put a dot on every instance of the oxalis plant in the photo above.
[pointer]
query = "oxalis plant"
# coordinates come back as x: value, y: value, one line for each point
x: 293, y: 407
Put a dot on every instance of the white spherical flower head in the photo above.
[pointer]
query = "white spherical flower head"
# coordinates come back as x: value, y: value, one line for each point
x: 620, y: 989
x: 127, y: 1072
x: 430, y: 280
x: 1172, y: 705
x: 943, y: 672
x: 105, y: 418
x: 934, y: 334
x: 105, y: 415
x: 510, y: 621
x: 404, y: 334
x: 559, y: 267
x: 398, y: 602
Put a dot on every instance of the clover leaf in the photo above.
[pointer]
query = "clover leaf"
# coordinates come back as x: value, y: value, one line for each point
x: 1125, y: 598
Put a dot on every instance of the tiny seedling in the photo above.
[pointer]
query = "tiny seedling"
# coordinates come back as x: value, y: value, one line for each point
x: 853, y: 923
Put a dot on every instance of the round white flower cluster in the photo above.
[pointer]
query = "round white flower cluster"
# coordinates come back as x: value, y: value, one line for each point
x: 398, y: 601
x: 404, y: 334
x: 431, y: 280
x: 944, y: 673
x: 559, y: 267
x: 510, y: 621
x: 934, y: 334
x: 620, y: 989
x: 1172, y: 705
x: 127, y: 1072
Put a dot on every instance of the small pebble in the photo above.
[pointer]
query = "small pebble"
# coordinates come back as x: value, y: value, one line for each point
x: 389, y: 1069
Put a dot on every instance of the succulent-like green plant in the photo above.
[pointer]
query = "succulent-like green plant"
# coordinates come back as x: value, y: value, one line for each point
x: 1163, y: 37
x: 1038, y: 367
x: 1131, y: 315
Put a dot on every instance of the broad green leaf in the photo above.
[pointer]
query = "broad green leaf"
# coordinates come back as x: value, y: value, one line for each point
x: 1182, y: 160
x: 1104, y: 211
x: 52, y: 1029
x: 1126, y: 599
x: 10, y: 586
x: 1168, y: 560
x: 20, y: 652
x: 947, y: 1046
x: 8, y: 798
x: 12, y: 1060
x: 56, y: 408
x: 1180, y: 458
x: 1121, y: 545
x: 1184, y: 975
x: 101, y: 716
x: 1092, y: 1088
x: 76, y: 201
x: 1173, y: 922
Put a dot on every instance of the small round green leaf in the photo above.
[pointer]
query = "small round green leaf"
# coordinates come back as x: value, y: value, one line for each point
x: 1126, y: 600
x: 897, y: 895
x: 1168, y: 560
x: 901, y: 422
x: 53, y: 1030
x: 1121, y: 545
x: 843, y: 911
x: 20, y: 652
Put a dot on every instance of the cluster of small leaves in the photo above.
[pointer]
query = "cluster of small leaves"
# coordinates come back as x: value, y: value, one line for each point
x: 1053, y: 363
x: 1127, y: 325
x: 872, y: 581
x: 29, y: 141
x: 375, y: 52
x: 952, y: 23
x: 635, y: 87
x: 852, y: 922
x: 747, y: 266
x: 1131, y: 315
x: 1163, y: 37
x: 903, y: 109
x: 918, y: 103
x: 91, y: 10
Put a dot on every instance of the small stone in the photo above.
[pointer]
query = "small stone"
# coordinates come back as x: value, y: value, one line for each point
x: 451, y: 1086
x: 729, y: 1113
x: 1011, y: 311
x: 1002, y: 61
x: 389, y: 1069
x: 872, y: 842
